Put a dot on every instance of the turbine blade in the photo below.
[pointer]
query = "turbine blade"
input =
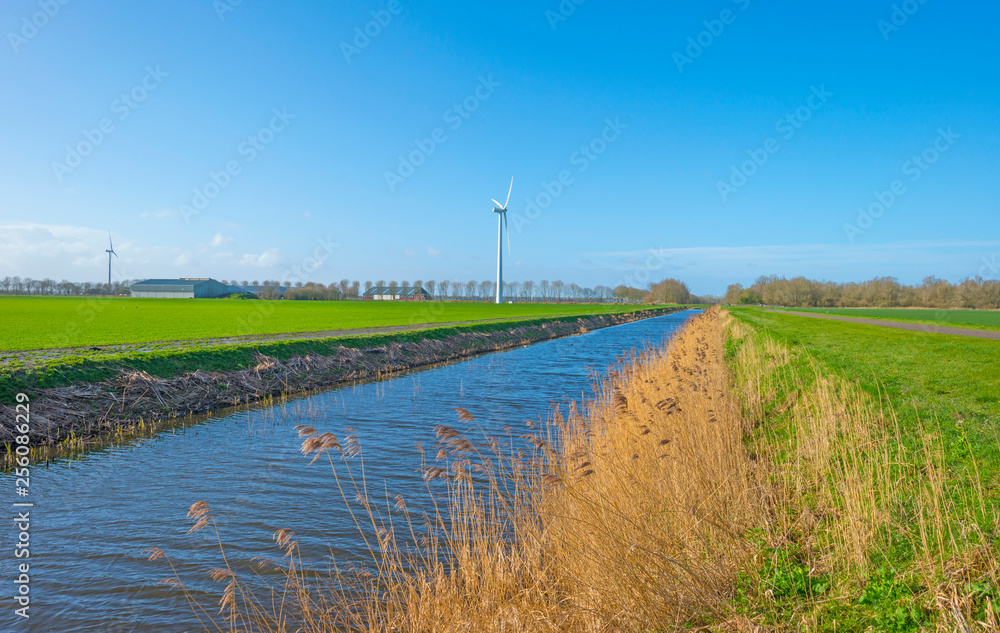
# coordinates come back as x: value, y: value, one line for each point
x: 507, y: 231
x: 499, y: 206
x: 508, y: 192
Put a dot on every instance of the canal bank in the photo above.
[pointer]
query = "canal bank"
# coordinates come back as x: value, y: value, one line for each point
x: 147, y: 391
x: 100, y: 508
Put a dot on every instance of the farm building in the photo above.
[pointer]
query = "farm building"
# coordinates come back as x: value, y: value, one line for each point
x: 266, y: 291
x: 385, y: 293
x: 188, y: 288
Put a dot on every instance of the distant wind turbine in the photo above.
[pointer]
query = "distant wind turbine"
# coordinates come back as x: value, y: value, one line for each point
x: 110, y: 251
x: 501, y: 227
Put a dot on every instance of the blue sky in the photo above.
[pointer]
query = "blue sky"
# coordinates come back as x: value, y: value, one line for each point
x: 648, y: 112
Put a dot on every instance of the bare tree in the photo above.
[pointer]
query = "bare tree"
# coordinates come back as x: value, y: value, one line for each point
x: 470, y: 290
x: 544, y: 289
x: 557, y: 289
x: 430, y: 286
x: 511, y: 290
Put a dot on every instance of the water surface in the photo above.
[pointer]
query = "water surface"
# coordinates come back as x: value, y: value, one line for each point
x: 95, y: 514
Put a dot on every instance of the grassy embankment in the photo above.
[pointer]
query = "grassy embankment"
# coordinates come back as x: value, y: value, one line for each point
x: 903, y: 479
x: 30, y: 323
x: 970, y: 319
x: 768, y: 472
x: 47, y: 322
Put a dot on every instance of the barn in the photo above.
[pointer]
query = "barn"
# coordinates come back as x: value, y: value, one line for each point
x: 186, y: 288
x: 387, y: 293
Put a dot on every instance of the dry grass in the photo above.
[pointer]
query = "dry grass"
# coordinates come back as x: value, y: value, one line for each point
x: 692, y: 493
x: 857, y: 499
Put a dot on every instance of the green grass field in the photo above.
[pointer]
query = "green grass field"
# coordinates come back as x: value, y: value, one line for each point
x: 947, y: 382
x: 28, y: 323
x: 940, y: 378
x: 948, y: 385
x: 973, y: 319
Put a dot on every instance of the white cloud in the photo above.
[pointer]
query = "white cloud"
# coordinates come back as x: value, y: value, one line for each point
x: 409, y: 252
x: 219, y: 240
x: 185, y: 259
x: 711, y: 268
x: 268, y: 259
x: 433, y: 252
x: 306, y: 215
x: 161, y: 213
x: 41, y: 250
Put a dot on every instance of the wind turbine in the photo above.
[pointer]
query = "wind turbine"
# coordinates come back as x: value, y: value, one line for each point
x: 110, y: 252
x: 501, y: 209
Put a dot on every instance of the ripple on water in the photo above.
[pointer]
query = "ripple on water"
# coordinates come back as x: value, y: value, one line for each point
x: 95, y: 514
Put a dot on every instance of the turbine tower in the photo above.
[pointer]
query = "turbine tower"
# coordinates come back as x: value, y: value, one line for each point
x: 110, y: 251
x: 501, y: 209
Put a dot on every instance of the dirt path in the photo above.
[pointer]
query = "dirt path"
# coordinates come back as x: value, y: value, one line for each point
x: 913, y: 327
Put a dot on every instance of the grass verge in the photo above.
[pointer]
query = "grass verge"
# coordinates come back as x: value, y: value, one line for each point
x: 167, y: 362
x: 968, y: 319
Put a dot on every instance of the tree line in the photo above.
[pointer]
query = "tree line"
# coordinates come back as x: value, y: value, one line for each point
x: 347, y: 289
x: 519, y: 291
x: 880, y: 292
x: 29, y: 286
